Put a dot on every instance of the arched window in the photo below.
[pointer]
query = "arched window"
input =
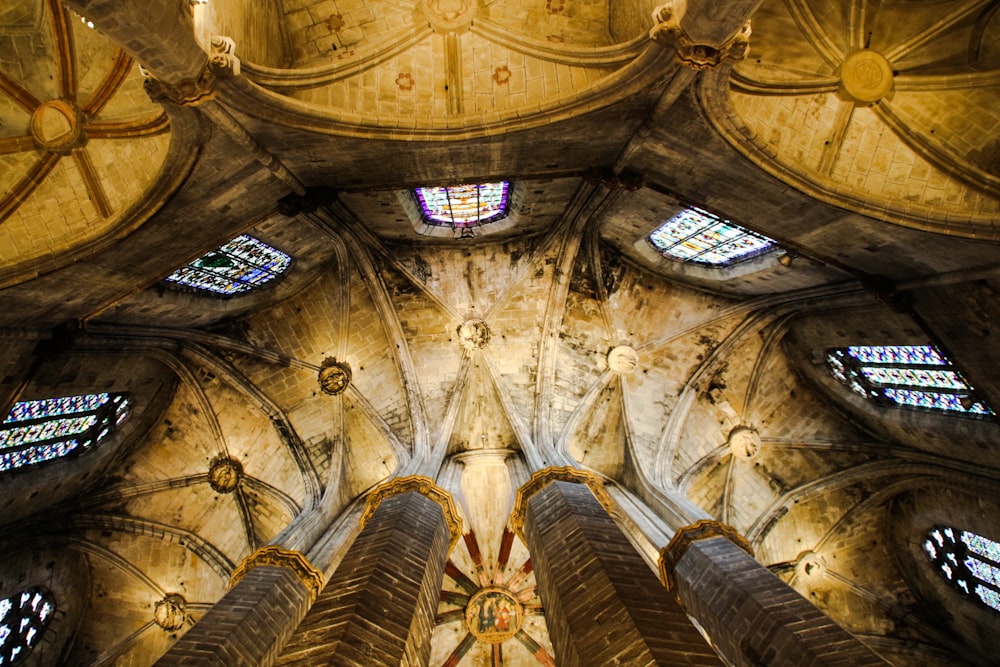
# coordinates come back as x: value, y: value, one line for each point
x: 237, y: 267
x: 970, y: 562
x: 464, y: 205
x: 917, y: 376
x: 36, y: 431
x: 698, y: 237
x: 23, y: 618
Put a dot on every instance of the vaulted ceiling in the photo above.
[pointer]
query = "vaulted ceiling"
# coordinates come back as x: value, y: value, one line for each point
x: 887, y: 210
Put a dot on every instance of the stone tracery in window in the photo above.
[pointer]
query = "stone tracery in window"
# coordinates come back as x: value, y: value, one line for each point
x: 23, y: 619
x: 40, y: 430
x: 970, y: 562
x: 917, y: 376
x: 699, y: 237
x: 237, y: 267
x: 462, y: 206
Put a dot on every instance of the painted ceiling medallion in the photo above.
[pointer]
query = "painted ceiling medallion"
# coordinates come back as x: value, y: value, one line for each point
x: 225, y: 474
x: 623, y: 360
x: 493, y: 615
x: 496, y: 610
x: 334, y: 376
x: 474, y: 334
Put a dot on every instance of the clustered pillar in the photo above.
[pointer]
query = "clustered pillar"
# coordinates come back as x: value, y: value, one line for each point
x: 271, y: 592
x: 753, y: 617
x: 603, y: 604
x: 379, y: 606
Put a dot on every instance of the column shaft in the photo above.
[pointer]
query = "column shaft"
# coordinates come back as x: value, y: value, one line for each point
x: 603, y: 605
x: 378, y: 607
x: 248, y: 625
x: 753, y: 617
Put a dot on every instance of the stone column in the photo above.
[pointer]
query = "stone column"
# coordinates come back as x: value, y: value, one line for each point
x: 157, y: 33
x: 379, y: 605
x: 271, y: 591
x: 752, y: 616
x: 603, y: 604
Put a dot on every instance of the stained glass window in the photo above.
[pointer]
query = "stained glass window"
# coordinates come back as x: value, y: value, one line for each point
x: 970, y: 562
x: 23, y: 618
x: 237, y: 267
x: 464, y: 205
x: 916, y: 376
x: 698, y: 237
x: 36, y: 431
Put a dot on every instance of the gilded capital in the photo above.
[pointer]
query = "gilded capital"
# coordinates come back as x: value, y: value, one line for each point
x: 426, y: 487
x: 671, y: 554
x: 542, y: 477
x: 274, y: 556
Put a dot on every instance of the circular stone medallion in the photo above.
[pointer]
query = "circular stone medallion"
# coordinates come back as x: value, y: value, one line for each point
x: 493, y: 615
x: 169, y: 612
x: 57, y: 126
x: 866, y: 76
x: 623, y: 359
x: 224, y: 475
x: 474, y: 334
x: 334, y: 376
x: 744, y: 442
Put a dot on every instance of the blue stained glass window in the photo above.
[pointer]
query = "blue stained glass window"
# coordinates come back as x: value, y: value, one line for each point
x: 45, y: 429
x: 237, y: 267
x: 23, y: 619
x: 699, y: 237
x: 464, y: 205
x: 917, y: 376
x: 970, y: 562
